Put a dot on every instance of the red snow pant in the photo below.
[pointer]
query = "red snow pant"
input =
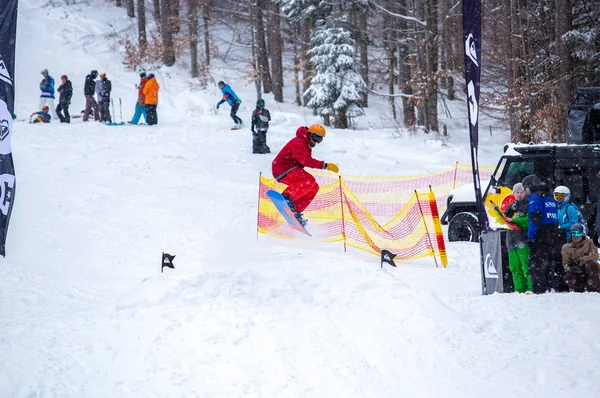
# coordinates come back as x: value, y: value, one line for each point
x: 302, y: 188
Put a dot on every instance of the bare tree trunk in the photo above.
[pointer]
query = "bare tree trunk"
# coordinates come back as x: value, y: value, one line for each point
x: 564, y: 23
x: 175, y: 19
x: 296, y: 63
x: 255, y: 61
x: 205, y: 19
x: 131, y: 8
x: 193, y: 31
x: 156, y: 13
x: 143, y: 41
x: 431, y: 64
x: 364, y: 55
x: 389, y: 45
x: 405, y: 73
x: 262, y: 55
x: 306, y: 65
x: 510, y: 64
x: 167, y: 35
x: 276, y: 51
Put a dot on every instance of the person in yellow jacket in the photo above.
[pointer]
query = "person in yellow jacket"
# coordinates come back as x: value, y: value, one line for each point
x: 151, y: 98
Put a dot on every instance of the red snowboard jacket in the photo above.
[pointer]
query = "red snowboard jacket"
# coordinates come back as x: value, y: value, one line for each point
x: 295, y: 154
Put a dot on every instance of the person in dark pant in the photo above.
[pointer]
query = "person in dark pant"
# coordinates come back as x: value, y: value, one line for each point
x: 233, y: 100
x: 90, y: 101
x: 580, y: 261
x: 259, y: 128
x: 105, y: 99
x: 542, y: 235
x: 64, y: 100
x: 150, y: 92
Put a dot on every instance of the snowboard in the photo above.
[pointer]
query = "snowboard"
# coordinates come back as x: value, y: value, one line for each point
x: 285, y: 211
x: 235, y: 128
x: 506, y: 220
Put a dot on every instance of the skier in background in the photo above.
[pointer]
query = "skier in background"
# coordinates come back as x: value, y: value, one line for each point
x: 288, y: 168
x: 150, y: 92
x: 105, y: 99
x: 259, y: 127
x: 47, y: 89
x: 90, y: 102
x: 232, y: 99
x: 140, y: 105
x: 64, y: 100
x: 42, y: 116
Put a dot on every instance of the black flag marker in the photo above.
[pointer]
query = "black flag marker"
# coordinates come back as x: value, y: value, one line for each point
x: 167, y: 261
x: 387, y: 257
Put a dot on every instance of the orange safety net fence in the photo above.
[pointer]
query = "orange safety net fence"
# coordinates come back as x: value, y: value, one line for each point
x: 373, y: 213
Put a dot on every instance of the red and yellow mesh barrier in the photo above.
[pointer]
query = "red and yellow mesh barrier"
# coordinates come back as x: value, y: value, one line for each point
x: 373, y: 213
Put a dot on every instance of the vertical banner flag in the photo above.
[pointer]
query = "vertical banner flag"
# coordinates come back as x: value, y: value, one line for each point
x: 472, y: 38
x: 8, y: 37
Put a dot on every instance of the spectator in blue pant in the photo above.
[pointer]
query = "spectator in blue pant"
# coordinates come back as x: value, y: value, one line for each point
x: 140, y: 105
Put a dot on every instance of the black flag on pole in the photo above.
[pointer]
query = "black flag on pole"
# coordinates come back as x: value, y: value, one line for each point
x: 472, y: 39
x: 167, y: 261
x: 387, y: 257
x: 8, y: 33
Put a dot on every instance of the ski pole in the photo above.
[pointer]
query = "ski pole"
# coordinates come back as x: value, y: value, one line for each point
x: 121, y: 110
x: 112, y: 103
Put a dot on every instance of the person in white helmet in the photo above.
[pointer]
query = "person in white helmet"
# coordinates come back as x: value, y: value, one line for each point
x: 568, y: 212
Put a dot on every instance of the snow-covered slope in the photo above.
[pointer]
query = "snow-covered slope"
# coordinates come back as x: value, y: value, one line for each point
x: 85, y: 312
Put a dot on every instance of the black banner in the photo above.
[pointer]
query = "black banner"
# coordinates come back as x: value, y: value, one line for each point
x: 472, y: 38
x: 8, y: 37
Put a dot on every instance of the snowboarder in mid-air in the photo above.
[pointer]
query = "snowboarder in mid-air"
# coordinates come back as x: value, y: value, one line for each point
x: 259, y: 127
x: 288, y: 168
x: 232, y: 99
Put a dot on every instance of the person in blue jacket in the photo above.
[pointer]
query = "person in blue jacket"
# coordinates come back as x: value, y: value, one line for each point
x: 568, y: 212
x: 543, y: 238
x: 47, y: 92
x: 232, y: 99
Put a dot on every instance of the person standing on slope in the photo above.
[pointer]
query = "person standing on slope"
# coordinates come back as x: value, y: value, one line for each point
x: 288, y: 168
x: 90, y: 102
x: 140, y: 105
x: 64, y: 100
x: 232, y: 99
x: 105, y: 98
x: 47, y: 89
x: 259, y: 127
x: 516, y: 241
x: 542, y: 234
x: 150, y: 92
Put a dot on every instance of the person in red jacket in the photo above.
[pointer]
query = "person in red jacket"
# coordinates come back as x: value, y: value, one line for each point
x: 288, y: 168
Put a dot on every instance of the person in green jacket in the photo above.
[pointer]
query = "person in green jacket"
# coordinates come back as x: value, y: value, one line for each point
x: 516, y: 241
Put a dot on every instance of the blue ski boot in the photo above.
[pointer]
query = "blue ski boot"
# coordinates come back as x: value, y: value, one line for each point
x: 301, y: 220
x: 289, y: 202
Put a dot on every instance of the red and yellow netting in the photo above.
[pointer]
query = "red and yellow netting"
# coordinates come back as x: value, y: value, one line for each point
x: 373, y: 213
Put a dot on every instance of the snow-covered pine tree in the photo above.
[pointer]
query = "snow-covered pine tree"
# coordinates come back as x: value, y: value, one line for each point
x: 336, y: 89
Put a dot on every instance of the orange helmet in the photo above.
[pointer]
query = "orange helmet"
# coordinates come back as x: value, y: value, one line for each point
x: 317, y: 129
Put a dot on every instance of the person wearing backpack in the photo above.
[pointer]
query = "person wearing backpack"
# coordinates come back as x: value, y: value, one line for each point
x: 568, y: 213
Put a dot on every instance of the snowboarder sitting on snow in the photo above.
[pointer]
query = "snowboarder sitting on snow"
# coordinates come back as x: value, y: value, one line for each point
x: 41, y: 117
x: 580, y: 261
x: 259, y: 127
x: 288, y: 168
x: 516, y: 241
x: 232, y: 99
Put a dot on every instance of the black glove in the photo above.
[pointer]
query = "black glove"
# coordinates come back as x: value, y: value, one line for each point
x: 575, y: 267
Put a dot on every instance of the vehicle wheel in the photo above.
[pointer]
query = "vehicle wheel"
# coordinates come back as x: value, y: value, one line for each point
x: 463, y: 228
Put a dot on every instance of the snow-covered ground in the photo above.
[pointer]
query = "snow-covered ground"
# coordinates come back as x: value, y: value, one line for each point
x: 85, y: 312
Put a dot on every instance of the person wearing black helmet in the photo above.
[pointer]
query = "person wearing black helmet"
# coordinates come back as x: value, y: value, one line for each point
x: 580, y: 262
x: 233, y: 100
x: 259, y: 127
x: 542, y: 235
